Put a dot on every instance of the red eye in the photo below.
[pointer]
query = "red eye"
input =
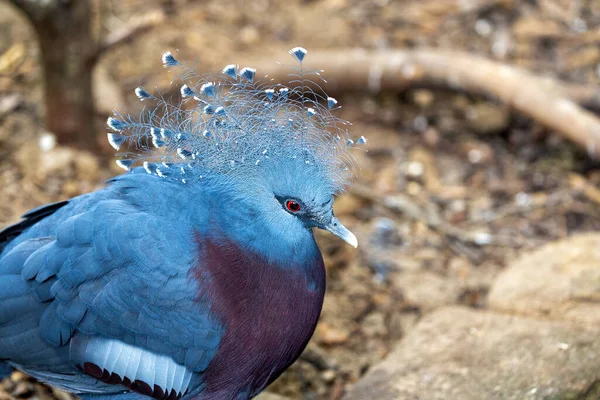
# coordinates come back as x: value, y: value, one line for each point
x: 292, y: 206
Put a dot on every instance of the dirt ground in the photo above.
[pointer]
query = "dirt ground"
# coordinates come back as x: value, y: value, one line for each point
x: 449, y: 186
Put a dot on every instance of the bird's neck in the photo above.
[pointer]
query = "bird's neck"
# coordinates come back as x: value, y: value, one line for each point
x: 237, y: 219
x: 266, y: 290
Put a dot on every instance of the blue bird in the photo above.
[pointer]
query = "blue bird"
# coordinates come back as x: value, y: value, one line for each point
x: 195, y: 275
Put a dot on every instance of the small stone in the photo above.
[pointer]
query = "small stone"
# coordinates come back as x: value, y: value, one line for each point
x: 414, y: 169
x: 331, y: 336
x: 329, y: 375
x: 423, y: 98
x: 9, y: 103
x: 456, y: 211
x: 488, y: 118
x: 423, y: 167
x: 47, y: 142
x: 483, y: 27
x: 420, y: 123
x: 431, y: 136
x: 18, y: 376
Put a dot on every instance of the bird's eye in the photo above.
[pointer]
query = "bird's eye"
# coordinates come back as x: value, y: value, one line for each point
x: 292, y: 206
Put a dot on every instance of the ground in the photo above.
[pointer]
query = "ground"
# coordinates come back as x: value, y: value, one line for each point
x: 449, y: 188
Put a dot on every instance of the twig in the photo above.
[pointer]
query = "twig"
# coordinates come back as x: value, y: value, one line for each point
x: 551, y: 204
x: 551, y: 103
x: 402, y: 204
x: 126, y: 34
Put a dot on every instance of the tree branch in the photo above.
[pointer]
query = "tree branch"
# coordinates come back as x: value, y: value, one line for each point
x: 126, y: 34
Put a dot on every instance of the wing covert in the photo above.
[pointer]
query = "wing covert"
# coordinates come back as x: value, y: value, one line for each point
x: 118, y: 272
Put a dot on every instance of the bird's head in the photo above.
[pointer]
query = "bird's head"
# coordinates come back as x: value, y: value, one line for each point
x: 279, y: 146
x: 287, y: 196
x: 303, y: 197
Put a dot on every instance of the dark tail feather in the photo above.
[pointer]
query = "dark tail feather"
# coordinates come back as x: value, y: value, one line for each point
x: 29, y: 219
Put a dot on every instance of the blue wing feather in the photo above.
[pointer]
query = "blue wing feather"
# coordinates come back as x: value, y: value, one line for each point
x: 109, y: 264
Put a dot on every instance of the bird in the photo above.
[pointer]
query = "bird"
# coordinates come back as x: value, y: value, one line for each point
x: 194, y: 274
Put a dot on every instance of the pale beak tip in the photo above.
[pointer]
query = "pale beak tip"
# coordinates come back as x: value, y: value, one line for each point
x: 352, y: 240
x: 342, y: 232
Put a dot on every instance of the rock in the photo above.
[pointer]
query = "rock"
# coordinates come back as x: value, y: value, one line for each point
x: 459, y: 353
x: 427, y: 289
x: 560, y: 281
x: 329, y: 335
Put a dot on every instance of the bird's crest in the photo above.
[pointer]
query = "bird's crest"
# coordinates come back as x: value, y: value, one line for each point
x: 234, y: 124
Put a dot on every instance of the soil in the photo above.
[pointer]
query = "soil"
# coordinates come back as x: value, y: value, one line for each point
x: 449, y: 187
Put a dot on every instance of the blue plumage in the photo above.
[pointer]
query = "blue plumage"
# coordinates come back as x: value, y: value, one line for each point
x: 195, y: 275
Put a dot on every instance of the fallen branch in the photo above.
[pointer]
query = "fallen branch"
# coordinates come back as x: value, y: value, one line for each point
x: 547, y: 101
x: 587, y: 96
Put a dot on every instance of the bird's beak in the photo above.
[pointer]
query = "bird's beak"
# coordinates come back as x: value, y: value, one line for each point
x: 335, y: 226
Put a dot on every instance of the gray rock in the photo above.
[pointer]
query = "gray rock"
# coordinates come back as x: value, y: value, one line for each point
x: 559, y: 281
x: 461, y: 354
x: 427, y: 289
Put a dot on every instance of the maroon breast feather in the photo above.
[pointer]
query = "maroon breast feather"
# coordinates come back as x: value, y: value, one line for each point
x: 269, y: 312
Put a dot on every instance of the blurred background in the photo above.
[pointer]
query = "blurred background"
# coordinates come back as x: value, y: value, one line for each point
x: 476, y: 198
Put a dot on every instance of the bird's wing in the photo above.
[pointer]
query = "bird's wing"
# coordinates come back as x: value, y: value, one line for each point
x: 117, y: 287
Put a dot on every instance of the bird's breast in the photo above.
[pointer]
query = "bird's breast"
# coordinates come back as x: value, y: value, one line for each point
x: 269, y: 313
